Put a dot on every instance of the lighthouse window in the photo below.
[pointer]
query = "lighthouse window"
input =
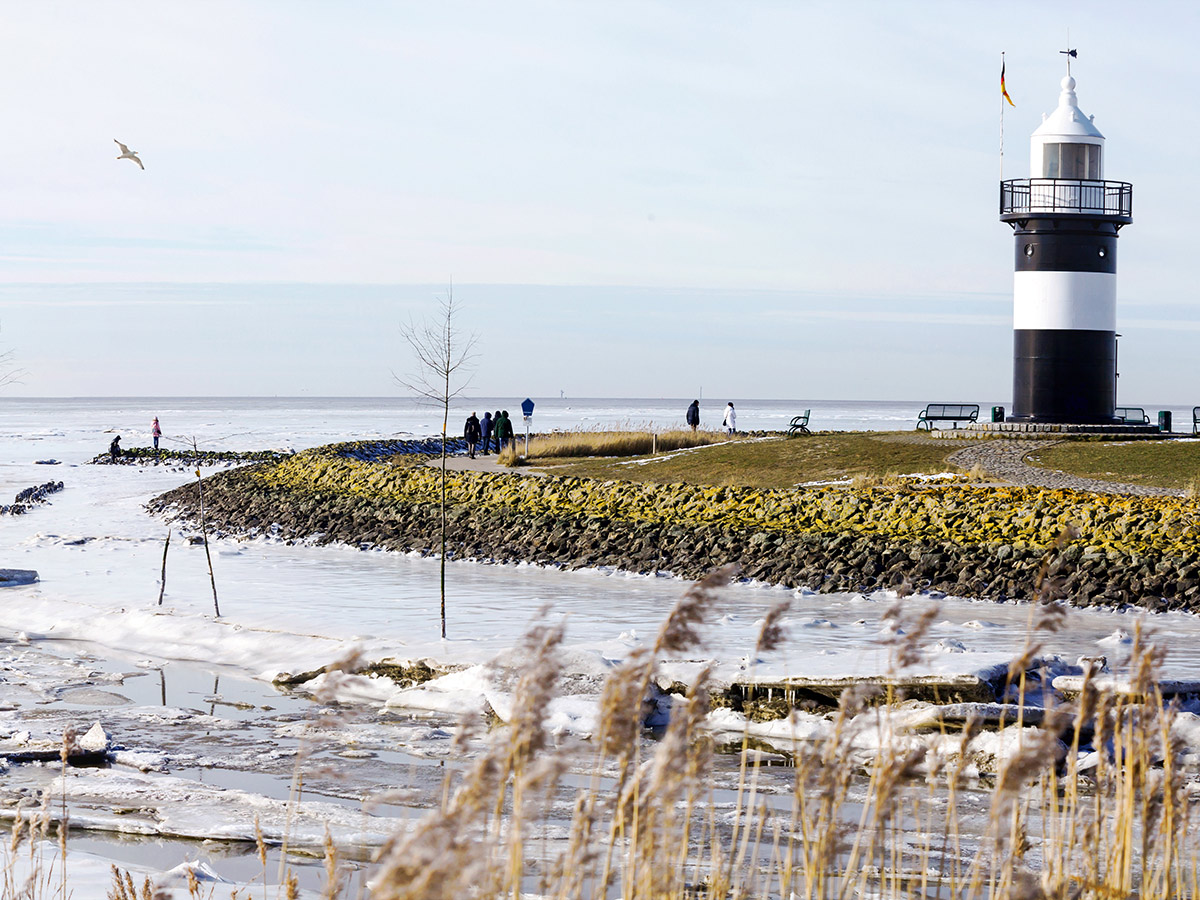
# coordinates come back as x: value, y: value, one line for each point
x: 1103, y: 253
x: 1029, y: 249
x: 1071, y: 161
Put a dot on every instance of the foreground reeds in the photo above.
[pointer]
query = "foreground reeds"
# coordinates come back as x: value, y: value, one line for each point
x: 1092, y: 802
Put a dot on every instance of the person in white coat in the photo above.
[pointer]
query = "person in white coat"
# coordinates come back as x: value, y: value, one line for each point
x: 730, y: 422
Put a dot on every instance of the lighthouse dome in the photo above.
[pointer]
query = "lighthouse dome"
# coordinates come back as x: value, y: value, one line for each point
x: 1067, y: 120
x: 1067, y: 144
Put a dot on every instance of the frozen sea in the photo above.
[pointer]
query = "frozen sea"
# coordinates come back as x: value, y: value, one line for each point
x: 187, y: 697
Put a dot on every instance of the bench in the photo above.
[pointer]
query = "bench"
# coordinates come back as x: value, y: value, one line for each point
x: 947, y: 412
x: 800, y: 424
x: 1135, y: 415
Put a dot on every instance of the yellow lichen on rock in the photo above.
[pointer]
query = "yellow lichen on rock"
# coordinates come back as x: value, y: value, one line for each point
x: 960, y: 513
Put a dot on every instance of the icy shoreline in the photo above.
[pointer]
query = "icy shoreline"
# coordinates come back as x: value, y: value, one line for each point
x: 994, y: 543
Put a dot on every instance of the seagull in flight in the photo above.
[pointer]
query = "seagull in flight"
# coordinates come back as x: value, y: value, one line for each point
x: 126, y: 153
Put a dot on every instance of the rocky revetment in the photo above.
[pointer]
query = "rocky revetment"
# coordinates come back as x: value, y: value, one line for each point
x: 979, y: 541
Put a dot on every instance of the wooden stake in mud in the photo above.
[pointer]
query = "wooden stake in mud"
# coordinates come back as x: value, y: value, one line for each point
x: 204, y: 530
x: 162, y: 589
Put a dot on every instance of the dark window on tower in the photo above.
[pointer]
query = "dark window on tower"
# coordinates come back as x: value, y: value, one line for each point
x: 1071, y: 161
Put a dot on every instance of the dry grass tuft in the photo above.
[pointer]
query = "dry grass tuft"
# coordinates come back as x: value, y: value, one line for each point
x: 573, y: 444
x: 865, y: 480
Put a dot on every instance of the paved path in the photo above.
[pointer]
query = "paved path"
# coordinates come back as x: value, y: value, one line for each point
x: 481, y: 464
x: 1006, y: 459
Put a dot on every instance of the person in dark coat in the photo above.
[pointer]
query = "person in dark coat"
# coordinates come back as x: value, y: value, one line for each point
x: 693, y: 415
x: 496, y: 429
x: 504, y: 431
x: 485, y: 431
x: 114, y: 449
x: 471, y: 433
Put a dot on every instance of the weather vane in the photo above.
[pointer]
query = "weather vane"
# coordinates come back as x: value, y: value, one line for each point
x: 1070, y: 54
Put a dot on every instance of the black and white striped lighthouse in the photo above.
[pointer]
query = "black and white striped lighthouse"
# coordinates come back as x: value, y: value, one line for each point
x: 1065, y: 219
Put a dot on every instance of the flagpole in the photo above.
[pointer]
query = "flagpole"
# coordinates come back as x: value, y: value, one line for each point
x: 1002, y: 117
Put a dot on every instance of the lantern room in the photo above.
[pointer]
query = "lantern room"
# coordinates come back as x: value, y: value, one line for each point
x: 1067, y: 144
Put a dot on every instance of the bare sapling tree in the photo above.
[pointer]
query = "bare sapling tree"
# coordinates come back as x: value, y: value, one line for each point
x: 9, y: 373
x: 444, y: 358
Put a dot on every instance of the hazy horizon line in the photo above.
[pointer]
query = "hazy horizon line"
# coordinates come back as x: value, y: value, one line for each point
x: 507, y: 398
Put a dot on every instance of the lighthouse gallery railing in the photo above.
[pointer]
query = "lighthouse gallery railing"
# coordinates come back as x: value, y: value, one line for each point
x: 1070, y: 196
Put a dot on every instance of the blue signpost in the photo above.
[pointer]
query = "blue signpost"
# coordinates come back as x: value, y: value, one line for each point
x: 527, y: 412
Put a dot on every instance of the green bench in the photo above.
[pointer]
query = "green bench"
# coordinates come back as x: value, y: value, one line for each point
x: 800, y: 424
x: 947, y: 412
x: 1135, y: 415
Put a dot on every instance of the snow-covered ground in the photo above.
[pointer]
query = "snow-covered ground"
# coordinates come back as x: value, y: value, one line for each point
x: 205, y: 744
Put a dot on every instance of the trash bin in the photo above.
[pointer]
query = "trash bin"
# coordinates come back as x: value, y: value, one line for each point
x: 1164, y: 420
x: 997, y: 413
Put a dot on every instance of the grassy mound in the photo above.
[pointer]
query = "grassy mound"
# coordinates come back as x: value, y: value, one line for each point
x: 773, y: 462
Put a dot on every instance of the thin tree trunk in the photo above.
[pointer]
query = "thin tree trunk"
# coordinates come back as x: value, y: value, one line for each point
x: 445, y: 423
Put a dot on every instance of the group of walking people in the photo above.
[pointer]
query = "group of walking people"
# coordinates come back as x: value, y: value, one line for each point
x: 729, y: 424
x: 492, y: 430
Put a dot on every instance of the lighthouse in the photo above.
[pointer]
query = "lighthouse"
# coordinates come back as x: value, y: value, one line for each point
x: 1065, y: 220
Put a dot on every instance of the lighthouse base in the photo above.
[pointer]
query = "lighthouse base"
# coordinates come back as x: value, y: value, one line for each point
x: 1034, y: 431
x: 1064, y: 377
x: 1049, y: 429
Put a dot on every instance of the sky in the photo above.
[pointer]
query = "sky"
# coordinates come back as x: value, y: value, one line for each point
x: 760, y: 199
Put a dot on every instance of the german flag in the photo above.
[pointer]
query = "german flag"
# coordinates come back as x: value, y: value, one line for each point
x: 1003, y: 89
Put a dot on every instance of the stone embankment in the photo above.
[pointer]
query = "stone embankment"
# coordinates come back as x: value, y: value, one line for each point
x: 990, y: 542
x: 148, y: 456
x: 31, y: 496
x: 363, y: 451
